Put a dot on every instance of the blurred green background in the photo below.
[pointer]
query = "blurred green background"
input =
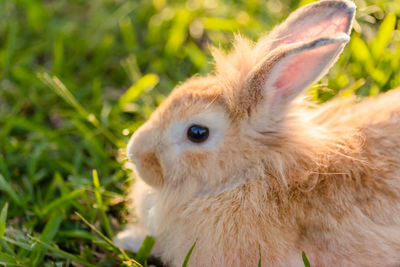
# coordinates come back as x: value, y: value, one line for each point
x: 78, y: 77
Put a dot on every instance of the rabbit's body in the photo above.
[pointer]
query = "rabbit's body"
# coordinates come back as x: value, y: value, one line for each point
x: 345, y: 211
x: 272, y: 178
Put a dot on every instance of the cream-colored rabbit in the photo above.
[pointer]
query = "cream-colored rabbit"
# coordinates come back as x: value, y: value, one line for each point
x: 230, y: 160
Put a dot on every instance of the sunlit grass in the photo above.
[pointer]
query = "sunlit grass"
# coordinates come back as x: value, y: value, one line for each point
x: 77, y: 78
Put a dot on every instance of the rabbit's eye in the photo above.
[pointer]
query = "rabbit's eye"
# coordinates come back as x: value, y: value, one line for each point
x: 197, y: 133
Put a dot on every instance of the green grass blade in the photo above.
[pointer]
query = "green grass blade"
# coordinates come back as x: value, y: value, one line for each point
x: 8, y: 260
x: 131, y: 68
x: 58, y: 55
x: 61, y: 253
x: 79, y: 234
x: 3, y: 219
x: 383, y: 36
x: 145, y: 249
x: 145, y: 83
x: 6, y: 247
x: 196, y: 55
x: 187, y: 258
x: 305, y: 259
x: 47, y: 235
x: 178, y: 32
x: 102, y: 209
x: 20, y: 244
x: 34, y: 158
x: 3, y: 166
x: 359, y: 49
x: 220, y: 24
x: 10, y: 51
x: 6, y: 188
x: 127, y: 32
x: 59, y: 88
x: 61, y: 202
x: 130, y: 263
x: 109, y: 241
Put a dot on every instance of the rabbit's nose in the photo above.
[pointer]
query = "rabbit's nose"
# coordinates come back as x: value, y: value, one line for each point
x: 137, y: 142
x: 141, y: 143
x: 130, y: 150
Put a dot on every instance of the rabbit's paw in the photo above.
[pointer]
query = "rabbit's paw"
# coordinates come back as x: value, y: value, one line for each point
x: 131, y: 238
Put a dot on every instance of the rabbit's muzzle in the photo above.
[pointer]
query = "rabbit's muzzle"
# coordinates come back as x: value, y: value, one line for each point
x: 147, y: 163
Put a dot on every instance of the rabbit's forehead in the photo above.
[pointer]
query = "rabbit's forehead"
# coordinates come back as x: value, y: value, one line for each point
x: 190, y: 100
x: 189, y: 108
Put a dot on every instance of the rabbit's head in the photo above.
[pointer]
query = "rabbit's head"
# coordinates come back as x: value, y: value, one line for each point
x: 213, y: 132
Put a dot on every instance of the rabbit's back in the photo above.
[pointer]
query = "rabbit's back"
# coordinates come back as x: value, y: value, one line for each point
x: 354, y: 215
x: 374, y: 124
x: 369, y: 111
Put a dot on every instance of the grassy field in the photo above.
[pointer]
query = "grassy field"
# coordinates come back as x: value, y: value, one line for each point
x: 78, y: 77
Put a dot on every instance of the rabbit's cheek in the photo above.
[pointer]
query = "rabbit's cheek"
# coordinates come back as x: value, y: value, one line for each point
x: 197, y: 161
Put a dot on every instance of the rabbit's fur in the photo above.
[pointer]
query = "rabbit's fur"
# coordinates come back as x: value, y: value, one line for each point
x: 275, y: 177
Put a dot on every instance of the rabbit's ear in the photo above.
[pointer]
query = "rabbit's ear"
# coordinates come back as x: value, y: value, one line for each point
x: 286, y: 72
x: 317, y: 20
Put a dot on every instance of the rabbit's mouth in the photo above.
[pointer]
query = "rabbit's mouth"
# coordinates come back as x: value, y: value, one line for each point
x: 148, y: 167
x: 131, y: 157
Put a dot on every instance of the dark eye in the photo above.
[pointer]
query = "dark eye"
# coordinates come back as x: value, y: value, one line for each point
x: 197, y: 133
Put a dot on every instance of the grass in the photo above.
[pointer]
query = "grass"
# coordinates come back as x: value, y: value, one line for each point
x: 77, y: 78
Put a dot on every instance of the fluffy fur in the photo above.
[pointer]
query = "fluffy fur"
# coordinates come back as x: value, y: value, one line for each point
x: 284, y: 177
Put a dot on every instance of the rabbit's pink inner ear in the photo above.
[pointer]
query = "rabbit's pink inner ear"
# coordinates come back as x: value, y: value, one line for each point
x: 296, y: 72
x: 310, y: 30
x: 321, y: 19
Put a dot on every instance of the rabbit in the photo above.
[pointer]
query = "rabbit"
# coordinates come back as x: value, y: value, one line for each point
x: 240, y: 163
